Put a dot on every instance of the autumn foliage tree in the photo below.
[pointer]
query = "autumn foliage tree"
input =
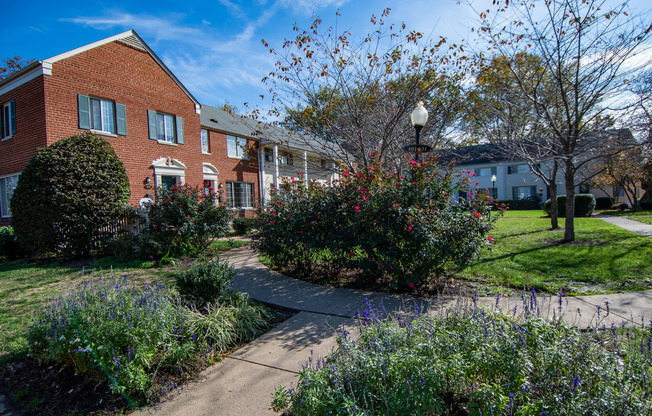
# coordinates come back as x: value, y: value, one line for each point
x: 585, y: 47
x: 11, y: 65
x: 354, y: 96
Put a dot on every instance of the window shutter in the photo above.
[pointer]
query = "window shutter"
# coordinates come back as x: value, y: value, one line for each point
x: 509, y: 170
x: 179, y: 123
x: 121, y: 119
x: 84, y: 104
x: 2, y: 122
x: 151, y: 120
x: 13, y: 116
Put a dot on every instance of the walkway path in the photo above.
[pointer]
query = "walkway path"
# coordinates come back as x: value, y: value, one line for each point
x: 629, y: 225
x: 244, y: 382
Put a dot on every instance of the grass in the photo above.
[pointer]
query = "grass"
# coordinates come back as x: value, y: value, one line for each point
x: 640, y: 216
x: 27, y: 287
x: 527, y: 254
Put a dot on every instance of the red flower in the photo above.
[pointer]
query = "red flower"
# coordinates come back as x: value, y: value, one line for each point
x: 477, y: 214
x: 409, y: 228
x: 411, y: 285
x: 351, y: 254
x: 473, y: 174
x: 490, y: 239
x: 271, y: 223
x: 413, y: 162
x: 468, y: 171
x: 357, y: 208
x: 188, y: 215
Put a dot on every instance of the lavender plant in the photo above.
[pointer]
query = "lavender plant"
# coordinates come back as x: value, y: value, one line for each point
x: 478, y: 363
x: 134, y: 337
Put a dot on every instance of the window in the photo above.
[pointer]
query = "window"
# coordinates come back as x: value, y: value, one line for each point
x: 485, y: 171
x: 8, y: 119
x: 269, y: 155
x: 240, y: 194
x: 205, y: 148
x: 524, y: 192
x: 165, y: 128
x: 102, y: 115
x: 236, y: 148
x: 286, y: 158
x: 326, y: 164
x: 7, y: 185
x: 518, y: 169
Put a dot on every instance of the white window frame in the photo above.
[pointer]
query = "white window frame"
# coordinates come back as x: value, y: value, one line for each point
x: 8, y: 127
x: 236, y: 148
x: 168, y: 132
x: 205, y: 145
x: 5, y: 194
x: 106, y: 116
x: 286, y: 158
x: 531, y: 190
x: 230, y: 194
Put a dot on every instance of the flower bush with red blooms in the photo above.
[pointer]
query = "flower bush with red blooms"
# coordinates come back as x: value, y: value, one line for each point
x: 376, y: 223
x: 184, y: 220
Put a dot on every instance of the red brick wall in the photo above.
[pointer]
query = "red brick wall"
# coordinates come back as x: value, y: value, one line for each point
x: 131, y: 77
x: 16, y: 151
x: 234, y: 169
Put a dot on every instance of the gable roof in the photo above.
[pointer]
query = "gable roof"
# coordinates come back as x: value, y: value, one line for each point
x: 229, y: 123
x: 476, y: 155
x: 44, y: 67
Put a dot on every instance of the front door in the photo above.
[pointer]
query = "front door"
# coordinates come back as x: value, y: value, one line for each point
x: 168, y: 182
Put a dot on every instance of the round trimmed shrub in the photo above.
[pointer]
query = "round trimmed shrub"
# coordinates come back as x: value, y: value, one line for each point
x: 205, y: 282
x: 584, y: 205
x: 69, y: 196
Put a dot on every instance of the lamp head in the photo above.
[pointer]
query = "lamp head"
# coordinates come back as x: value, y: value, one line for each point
x: 419, y: 115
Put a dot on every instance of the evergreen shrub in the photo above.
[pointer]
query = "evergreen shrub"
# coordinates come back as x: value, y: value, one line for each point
x: 69, y: 197
x: 584, y: 205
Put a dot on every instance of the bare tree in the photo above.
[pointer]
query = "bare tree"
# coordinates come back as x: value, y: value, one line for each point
x: 584, y: 47
x: 355, y: 96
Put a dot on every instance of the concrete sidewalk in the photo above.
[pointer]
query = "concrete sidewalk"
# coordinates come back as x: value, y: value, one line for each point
x: 630, y: 225
x: 245, y: 381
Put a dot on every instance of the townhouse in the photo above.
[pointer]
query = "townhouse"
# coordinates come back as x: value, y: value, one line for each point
x: 119, y: 89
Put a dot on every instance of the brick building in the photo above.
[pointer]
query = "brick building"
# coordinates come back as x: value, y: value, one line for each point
x: 120, y: 90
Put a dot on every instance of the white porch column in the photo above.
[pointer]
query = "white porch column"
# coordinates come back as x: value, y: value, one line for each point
x: 276, y: 166
x: 261, y: 163
x: 305, y: 168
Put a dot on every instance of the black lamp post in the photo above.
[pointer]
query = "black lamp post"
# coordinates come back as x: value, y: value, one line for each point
x: 493, y: 187
x: 418, y: 118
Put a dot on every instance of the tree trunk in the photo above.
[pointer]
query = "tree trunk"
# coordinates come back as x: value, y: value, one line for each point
x: 569, y: 229
x: 552, y: 190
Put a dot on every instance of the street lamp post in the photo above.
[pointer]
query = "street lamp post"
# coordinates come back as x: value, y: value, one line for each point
x: 418, y: 118
x: 493, y: 187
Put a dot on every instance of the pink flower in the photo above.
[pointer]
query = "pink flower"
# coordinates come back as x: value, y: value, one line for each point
x: 304, y: 245
x: 490, y: 239
x: 473, y: 174
x: 470, y: 195
x: 409, y: 228
x: 210, y: 188
x: 476, y: 182
x: 477, y: 214
x: 413, y: 162
x: 271, y: 223
x: 468, y: 171
x: 364, y: 197
x: 188, y: 215
x: 357, y: 208
x: 346, y: 175
x: 411, y: 285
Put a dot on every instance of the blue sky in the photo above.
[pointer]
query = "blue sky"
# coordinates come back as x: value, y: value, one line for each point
x: 213, y: 47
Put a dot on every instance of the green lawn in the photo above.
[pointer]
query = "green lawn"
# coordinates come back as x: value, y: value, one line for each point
x: 26, y: 287
x: 526, y: 254
x: 641, y: 216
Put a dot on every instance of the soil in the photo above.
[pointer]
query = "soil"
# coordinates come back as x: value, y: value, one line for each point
x: 35, y: 389
x: 443, y: 285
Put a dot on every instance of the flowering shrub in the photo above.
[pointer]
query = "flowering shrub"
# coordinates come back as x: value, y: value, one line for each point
x: 477, y: 363
x: 135, y: 337
x: 184, y: 220
x: 404, y: 226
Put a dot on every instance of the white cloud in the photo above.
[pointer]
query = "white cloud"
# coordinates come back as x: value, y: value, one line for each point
x: 307, y: 7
